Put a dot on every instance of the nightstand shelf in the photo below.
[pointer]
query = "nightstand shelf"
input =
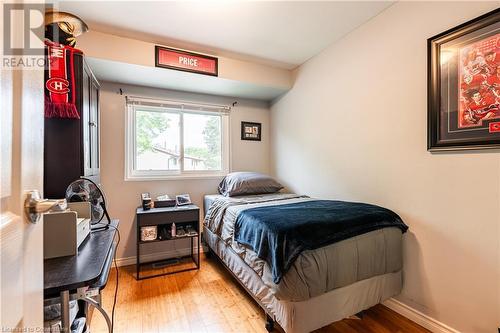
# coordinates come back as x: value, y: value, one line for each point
x: 163, y: 218
x: 167, y: 239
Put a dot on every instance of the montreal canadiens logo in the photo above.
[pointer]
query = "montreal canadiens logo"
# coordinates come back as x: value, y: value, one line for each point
x: 57, y: 85
x: 494, y: 127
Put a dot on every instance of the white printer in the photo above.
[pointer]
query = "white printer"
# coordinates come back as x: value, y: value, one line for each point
x: 65, y: 231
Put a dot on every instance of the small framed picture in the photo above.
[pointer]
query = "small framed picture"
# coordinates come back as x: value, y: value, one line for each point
x: 147, y: 203
x: 182, y: 199
x: 251, y: 131
x: 149, y: 233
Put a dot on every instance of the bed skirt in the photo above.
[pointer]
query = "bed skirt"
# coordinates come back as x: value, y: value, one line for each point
x: 316, y: 312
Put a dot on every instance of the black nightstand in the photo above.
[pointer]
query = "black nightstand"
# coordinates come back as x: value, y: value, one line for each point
x: 182, y: 216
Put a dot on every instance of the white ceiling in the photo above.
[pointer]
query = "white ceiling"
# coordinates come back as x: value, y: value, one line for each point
x: 283, y: 33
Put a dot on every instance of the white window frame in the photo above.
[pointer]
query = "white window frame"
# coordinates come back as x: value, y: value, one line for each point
x: 131, y: 174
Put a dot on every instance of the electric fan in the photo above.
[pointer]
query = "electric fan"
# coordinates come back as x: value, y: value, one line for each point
x: 85, y: 190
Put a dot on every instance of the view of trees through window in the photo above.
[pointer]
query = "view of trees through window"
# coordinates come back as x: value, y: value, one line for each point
x: 158, y: 141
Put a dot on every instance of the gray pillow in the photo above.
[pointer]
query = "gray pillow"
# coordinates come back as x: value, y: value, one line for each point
x: 240, y: 183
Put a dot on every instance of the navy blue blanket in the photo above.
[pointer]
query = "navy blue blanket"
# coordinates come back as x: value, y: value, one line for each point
x: 278, y: 234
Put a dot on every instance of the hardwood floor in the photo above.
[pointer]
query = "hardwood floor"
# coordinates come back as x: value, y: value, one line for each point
x: 209, y: 300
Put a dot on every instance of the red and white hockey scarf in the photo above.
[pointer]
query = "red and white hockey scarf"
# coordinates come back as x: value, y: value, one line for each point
x: 60, y: 95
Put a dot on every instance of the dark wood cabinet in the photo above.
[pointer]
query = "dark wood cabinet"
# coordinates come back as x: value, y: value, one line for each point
x: 72, y: 145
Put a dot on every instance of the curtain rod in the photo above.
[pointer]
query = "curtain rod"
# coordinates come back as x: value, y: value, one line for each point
x: 167, y: 101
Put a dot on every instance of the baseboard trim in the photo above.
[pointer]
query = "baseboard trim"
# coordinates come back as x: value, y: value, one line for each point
x: 418, y: 317
x: 126, y: 261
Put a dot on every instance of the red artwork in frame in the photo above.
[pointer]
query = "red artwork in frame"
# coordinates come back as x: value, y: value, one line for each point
x: 186, y: 61
x: 479, y: 85
x: 464, y: 86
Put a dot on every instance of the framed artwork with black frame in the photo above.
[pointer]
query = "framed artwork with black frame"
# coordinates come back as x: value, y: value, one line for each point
x: 186, y: 61
x: 251, y: 131
x: 464, y: 86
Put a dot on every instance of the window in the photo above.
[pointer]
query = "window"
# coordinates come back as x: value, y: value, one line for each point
x: 168, y: 139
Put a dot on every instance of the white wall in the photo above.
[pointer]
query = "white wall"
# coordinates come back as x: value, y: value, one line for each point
x: 123, y: 197
x: 354, y: 127
x: 128, y: 51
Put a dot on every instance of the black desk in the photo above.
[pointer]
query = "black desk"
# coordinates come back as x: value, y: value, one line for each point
x: 90, y: 268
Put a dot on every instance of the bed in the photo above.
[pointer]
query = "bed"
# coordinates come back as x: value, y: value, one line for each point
x: 321, y: 285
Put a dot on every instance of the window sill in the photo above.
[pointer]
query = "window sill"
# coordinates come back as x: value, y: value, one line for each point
x: 143, y: 178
